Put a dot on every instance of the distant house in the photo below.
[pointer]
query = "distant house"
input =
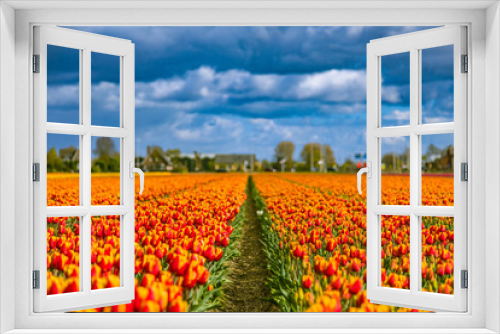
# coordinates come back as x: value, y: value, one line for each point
x: 156, y: 160
x: 200, y: 155
x: 235, y: 162
x: 70, y: 156
x: 440, y: 161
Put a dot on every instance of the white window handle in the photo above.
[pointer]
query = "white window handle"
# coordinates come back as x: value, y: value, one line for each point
x: 133, y: 170
x: 368, y: 171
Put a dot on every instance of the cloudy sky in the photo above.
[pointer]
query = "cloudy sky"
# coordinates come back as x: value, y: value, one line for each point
x: 244, y: 89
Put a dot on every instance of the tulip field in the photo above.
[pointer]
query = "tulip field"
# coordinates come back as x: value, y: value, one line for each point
x: 188, y: 227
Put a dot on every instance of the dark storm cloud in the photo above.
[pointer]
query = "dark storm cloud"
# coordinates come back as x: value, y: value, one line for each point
x: 163, y: 52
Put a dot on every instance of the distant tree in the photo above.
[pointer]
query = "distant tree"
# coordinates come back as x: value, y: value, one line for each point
x: 187, y: 164
x: 397, y: 161
x: 405, y: 159
x: 329, y: 157
x: 105, y: 147
x: 348, y: 166
x: 285, y: 150
x: 54, y: 163
x: 438, y: 160
x: 302, y: 167
x: 69, y: 157
x: 432, y: 150
x: 138, y: 161
x: 174, y: 155
x: 108, y: 159
x: 265, y: 164
x: 447, y: 157
x: 208, y: 164
x: 156, y: 153
x: 389, y: 161
x: 114, y: 163
x: 257, y: 166
x: 305, y: 154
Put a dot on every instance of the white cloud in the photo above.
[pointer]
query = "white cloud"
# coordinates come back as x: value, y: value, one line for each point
x: 63, y: 95
x: 398, y: 115
x: 161, y: 88
x: 268, y: 127
x: 205, y: 88
x: 189, y: 127
x: 438, y: 119
x: 354, y: 31
x: 210, y: 87
x: 397, y: 141
x: 391, y: 94
x: 106, y: 96
x: 333, y: 85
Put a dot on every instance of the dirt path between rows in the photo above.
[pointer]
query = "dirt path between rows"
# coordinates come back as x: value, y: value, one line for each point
x: 248, y: 272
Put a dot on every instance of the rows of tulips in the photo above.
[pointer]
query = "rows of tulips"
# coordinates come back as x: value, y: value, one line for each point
x: 64, y: 189
x: 185, y: 232
x: 314, y: 231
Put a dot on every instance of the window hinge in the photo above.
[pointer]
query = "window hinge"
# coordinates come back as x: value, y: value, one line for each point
x: 464, y: 170
x: 36, y: 279
x: 465, y: 279
x: 465, y: 64
x: 36, y: 172
x: 36, y: 63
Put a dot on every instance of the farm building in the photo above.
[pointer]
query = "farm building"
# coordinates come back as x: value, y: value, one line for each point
x: 234, y: 162
x: 156, y: 160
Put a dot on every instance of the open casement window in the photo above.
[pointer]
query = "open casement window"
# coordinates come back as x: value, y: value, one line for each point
x: 65, y: 242
x: 436, y: 248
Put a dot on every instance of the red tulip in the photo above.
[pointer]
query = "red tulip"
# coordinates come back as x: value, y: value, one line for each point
x: 306, y: 281
x: 330, y: 269
x: 356, y: 286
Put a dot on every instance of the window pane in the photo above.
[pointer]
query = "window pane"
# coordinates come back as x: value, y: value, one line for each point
x: 437, y: 170
x: 437, y: 84
x: 105, y: 102
x: 63, y: 85
x: 395, y: 165
x: 105, y: 252
x: 63, y: 170
x: 395, y: 91
x: 63, y: 255
x: 437, y: 254
x: 105, y: 171
x: 395, y: 251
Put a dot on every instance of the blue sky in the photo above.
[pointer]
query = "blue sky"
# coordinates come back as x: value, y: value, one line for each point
x: 244, y: 89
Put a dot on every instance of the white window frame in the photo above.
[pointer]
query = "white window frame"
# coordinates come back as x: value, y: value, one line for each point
x: 483, y: 101
x: 85, y: 43
x: 414, y: 43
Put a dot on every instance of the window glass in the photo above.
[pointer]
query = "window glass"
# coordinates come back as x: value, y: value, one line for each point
x: 395, y: 252
x: 438, y: 170
x: 105, y: 252
x: 438, y: 254
x: 437, y: 84
x: 63, y: 255
x: 395, y: 170
x: 63, y: 170
x: 105, y: 176
x: 105, y: 95
x: 395, y: 93
x: 63, y: 85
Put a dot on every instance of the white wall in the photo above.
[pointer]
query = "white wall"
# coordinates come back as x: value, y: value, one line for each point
x: 7, y: 159
x: 492, y: 164
x: 283, y: 17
